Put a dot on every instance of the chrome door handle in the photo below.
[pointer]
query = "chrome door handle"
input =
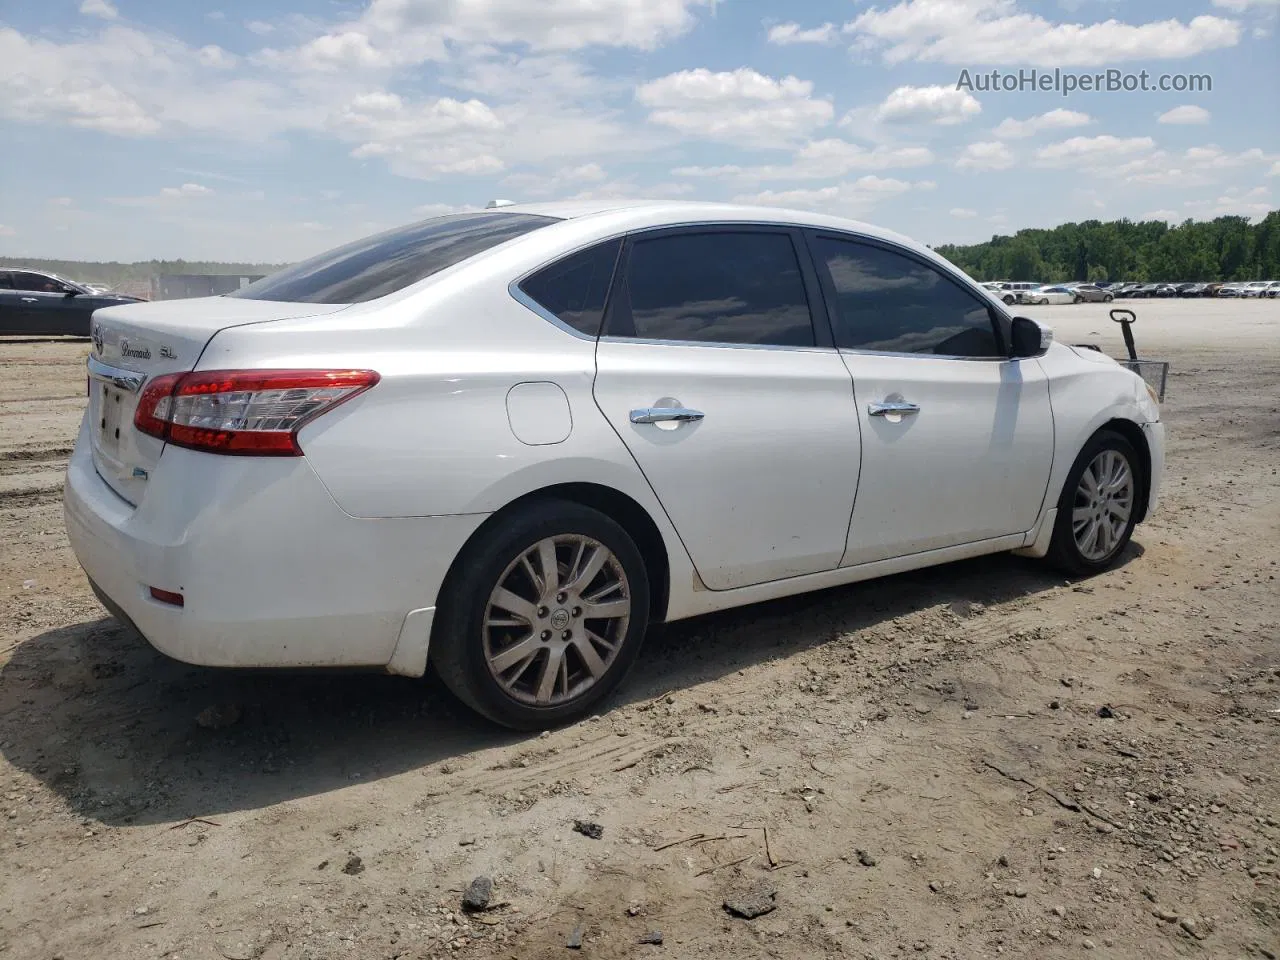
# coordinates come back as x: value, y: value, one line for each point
x: 666, y: 415
x: 30, y: 299
x: 892, y: 409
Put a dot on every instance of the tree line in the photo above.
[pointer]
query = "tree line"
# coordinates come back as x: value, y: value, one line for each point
x: 1223, y: 249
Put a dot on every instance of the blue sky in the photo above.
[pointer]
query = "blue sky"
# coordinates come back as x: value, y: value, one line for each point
x: 271, y: 130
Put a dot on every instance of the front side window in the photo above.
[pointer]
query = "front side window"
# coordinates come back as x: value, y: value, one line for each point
x: 724, y: 286
x: 575, y: 288
x: 891, y: 303
x: 23, y: 280
x: 382, y: 264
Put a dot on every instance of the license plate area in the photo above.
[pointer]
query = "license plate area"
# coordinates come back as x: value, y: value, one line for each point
x: 110, y: 416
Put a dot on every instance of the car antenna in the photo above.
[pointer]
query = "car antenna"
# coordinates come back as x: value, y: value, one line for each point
x: 498, y: 203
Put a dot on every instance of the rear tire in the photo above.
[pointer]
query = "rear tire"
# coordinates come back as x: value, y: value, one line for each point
x: 1108, y: 298
x: 522, y: 648
x: 1098, y: 507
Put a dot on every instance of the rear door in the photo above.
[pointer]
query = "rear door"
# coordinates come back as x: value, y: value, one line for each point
x: 957, y: 439
x: 717, y: 370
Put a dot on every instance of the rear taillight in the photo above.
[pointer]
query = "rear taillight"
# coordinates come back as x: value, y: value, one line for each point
x: 248, y: 412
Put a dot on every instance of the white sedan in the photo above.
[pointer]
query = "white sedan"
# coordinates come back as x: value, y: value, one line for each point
x: 506, y: 442
x: 1045, y: 295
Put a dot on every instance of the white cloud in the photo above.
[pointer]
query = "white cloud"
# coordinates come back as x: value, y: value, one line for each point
x: 848, y: 198
x: 741, y: 106
x: 186, y: 190
x: 1254, y: 204
x: 988, y: 155
x: 166, y: 197
x: 559, y: 182
x: 970, y: 32
x: 399, y: 32
x: 99, y: 8
x: 213, y: 55
x: 1239, y: 6
x: 1186, y: 114
x: 940, y: 105
x: 1169, y: 216
x: 1011, y: 129
x: 963, y: 213
x: 260, y: 27
x: 1089, y: 152
x: 785, y: 34
x: 1275, y: 170
x: 61, y: 202
x: 1213, y: 157
x: 7, y: 231
x: 828, y: 159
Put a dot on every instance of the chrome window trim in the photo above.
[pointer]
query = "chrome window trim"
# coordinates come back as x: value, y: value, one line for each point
x: 527, y: 301
x: 809, y: 348
x: 129, y: 380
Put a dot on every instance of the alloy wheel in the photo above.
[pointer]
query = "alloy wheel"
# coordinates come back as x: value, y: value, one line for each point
x: 556, y: 619
x: 1103, y: 504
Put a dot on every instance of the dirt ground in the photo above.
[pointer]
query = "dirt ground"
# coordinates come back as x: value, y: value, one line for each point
x: 979, y: 760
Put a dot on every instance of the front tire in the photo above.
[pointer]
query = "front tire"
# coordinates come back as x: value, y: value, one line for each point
x: 1098, y: 507
x: 1108, y: 298
x: 542, y: 616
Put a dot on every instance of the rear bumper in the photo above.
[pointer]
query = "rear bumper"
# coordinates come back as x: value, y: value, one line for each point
x: 272, y: 572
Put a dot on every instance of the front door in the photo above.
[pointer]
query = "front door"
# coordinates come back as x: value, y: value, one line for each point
x: 719, y: 378
x: 957, y: 438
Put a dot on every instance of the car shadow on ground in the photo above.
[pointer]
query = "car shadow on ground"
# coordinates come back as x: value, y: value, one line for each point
x: 111, y: 725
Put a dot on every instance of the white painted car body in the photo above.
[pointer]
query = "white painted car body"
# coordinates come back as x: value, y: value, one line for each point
x: 1054, y: 294
x: 337, y: 557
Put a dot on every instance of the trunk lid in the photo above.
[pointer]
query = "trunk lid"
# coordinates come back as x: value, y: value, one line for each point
x: 133, y: 343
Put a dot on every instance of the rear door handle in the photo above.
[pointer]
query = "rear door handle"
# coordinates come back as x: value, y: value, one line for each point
x: 666, y: 415
x: 893, y: 409
x: 30, y: 299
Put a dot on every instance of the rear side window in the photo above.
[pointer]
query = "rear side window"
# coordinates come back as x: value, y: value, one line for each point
x: 890, y: 303
x: 575, y: 288
x: 715, y: 287
x: 382, y: 264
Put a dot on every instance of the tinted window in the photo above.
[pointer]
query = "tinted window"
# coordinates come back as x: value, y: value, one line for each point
x: 892, y: 303
x: 716, y: 287
x: 382, y: 264
x: 5, y: 282
x: 23, y: 280
x: 574, y: 289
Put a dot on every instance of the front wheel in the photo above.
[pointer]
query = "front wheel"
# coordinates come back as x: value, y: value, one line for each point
x: 1098, y: 507
x: 1009, y: 301
x: 1108, y: 298
x: 543, y: 615
x: 1077, y: 300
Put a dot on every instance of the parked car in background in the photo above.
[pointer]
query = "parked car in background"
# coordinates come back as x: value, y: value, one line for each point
x: 34, y: 303
x: 1014, y: 291
x: 1191, y: 289
x: 1053, y: 294
x: 1211, y: 289
x: 1255, y: 289
x: 1146, y: 290
x: 1166, y: 290
x: 1088, y: 293
x: 1230, y: 289
x: 507, y: 441
x: 1273, y: 289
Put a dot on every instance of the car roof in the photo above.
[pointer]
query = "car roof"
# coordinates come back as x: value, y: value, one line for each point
x: 645, y: 212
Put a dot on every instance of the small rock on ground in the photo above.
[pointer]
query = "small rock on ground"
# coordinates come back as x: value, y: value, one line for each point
x: 755, y: 901
x: 588, y: 829
x: 477, y: 894
x: 353, y: 866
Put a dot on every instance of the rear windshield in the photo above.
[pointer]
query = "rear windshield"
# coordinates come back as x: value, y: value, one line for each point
x: 387, y: 262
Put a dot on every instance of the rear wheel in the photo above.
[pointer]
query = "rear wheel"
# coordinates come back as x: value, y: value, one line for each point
x: 1108, y: 298
x: 543, y: 617
x: 1009, y: 300
x: 1098, y: 507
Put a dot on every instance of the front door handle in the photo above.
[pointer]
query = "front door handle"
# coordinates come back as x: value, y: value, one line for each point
x: 666, y: 415
x: 890, y: 409
x: 30, y: 299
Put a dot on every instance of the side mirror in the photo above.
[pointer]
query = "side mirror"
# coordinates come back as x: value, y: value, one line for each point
x: 71, y: 292
x: 1030, y: 339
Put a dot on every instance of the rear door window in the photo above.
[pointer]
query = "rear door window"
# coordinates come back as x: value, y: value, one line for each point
x: 382, y: 264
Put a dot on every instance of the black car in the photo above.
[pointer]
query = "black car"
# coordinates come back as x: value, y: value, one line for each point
x: 33, y: 303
